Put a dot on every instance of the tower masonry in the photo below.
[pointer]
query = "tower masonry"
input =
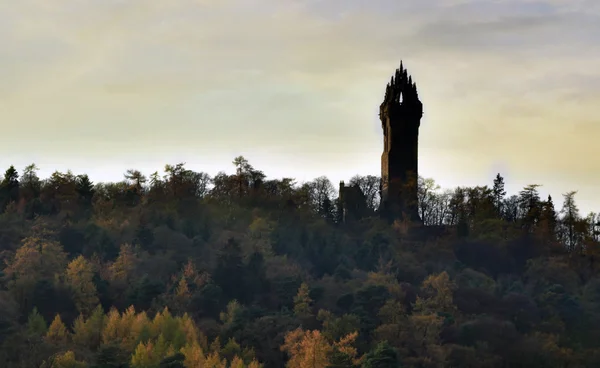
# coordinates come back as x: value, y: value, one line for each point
x: 400, y: 115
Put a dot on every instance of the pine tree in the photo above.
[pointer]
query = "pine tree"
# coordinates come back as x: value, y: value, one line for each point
x: 303, y: 302
x: 80, y: 279
x: 36, y: 325
x: 67, y: 360
x: 229, y: 273
x: 383, y: 356
x: 182, y: 296
x: 174, y: 361
x: 306, y: 349
x: 85, y: 189
x: 57, y: 332
x: 144, y: 356
x: 194, y: 355
x: 111, y: 356
x: 530, y: 206
x: 498, y: 194
x: 570, y: 218
x: 9, y: 188
x: 88, y: 333
x: 548, y: 220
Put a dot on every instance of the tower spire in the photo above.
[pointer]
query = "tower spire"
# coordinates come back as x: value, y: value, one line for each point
x: 400, y: 115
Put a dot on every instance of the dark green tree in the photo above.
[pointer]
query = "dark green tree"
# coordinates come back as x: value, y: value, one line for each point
x: 382, y: 356
x: 111, y: 356
x: 85, y: 189
x: 9, y: 187
x: 173, y: 361
x: 498, y: 194
x: 230, y: 271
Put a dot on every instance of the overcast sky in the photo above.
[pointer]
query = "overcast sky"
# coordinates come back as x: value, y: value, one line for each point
x: 100, y: 86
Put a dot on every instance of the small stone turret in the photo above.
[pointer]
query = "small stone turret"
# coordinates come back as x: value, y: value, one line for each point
x: 400, y: 115
x: 352, y: 203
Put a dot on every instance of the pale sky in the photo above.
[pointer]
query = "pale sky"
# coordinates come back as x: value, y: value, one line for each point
x: 100, y: 86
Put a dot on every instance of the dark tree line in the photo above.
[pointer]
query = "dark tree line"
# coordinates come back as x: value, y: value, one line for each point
x: 182, y: 269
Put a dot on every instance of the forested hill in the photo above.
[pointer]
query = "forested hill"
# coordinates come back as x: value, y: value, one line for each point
x: 239, y: 271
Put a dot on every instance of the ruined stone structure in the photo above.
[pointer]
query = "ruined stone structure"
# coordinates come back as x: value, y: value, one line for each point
x: 400, y: 115
x: 352, y: 203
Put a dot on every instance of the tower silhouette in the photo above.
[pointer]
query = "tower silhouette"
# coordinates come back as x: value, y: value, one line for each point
x: 400, y: 114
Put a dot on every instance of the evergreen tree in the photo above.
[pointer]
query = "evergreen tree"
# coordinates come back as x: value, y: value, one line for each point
x: 85, y: 189
x: 498, y: 194
x: 80, y: 279
x: 303, y: 302
x: 36, y: 325
x: 9, y: 187
x: 57, y: 332
x: 383, y: 356
x: 256, y: 281
x: 173, y: 361
x: 530, y: 206
x: 111, y: 356
x: 548, y: 218
x: 229, y: 273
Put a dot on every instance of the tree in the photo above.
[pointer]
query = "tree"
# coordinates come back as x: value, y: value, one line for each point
x: 382, y: 356
x: 194, y: 356
x: 438, y: 297
x: 111, y: 356
x: 302, y: 302
x: 66, y: 360
x: 85, y: 189
x: 35, y: 260
x: 137, y: 181
x: 57, y: 332
x: 174, y: 361
x: 80, y: 279
x: 369, y: 186
x: 321, y: 193
x: 306, y: 349
x: 426, y: 192
x: 247, y: 177
x: 145, y: 356
x: 570, y: 219
x: 530, y: 206
x: 29, y: 190
x: 9, y: 187
x: 88, y: 332
x: 36, y: 325
x: 229, y: 273
x: 548, y: 220
x: 498, y: 194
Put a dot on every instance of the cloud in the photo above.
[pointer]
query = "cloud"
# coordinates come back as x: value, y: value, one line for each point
x: 282, y: 80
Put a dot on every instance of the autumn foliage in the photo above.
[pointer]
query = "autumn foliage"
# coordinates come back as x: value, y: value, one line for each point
x: 238, y: 270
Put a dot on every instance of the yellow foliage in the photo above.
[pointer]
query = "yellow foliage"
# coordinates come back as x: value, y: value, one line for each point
x: 237, y: 362
x: 214, y: 361
x: 111, y: 331
x: 194, y: 356
x: 124, y: 266
x: 67, y: 360
x: 439, y: 289
x: 303, y: 302
x: 306, y: 349
x: 144, y: 356
x: 57, y: 332
x: 80, y: 279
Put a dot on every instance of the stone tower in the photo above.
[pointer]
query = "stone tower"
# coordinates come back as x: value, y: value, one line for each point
x: 352, y: 203
x: 400, y: 115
